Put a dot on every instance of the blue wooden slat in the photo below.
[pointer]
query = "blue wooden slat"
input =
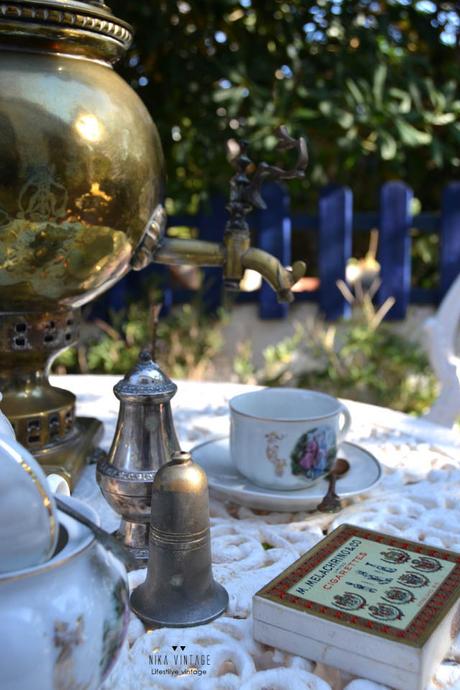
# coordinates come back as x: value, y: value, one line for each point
x: 274, y: 236
x: 450, y: 236
x: 334, y: 224
x: 394, y: 252
x: 335, y: 246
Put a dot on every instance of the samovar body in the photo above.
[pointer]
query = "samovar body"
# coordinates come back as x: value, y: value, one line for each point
x: 80, y: 175
x: 81, y: 172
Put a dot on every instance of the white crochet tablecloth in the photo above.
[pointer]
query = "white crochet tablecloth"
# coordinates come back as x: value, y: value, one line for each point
x: 419, y: 497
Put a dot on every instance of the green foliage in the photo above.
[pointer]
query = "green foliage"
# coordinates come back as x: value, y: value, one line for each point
x: 373, y: 83
x: 375, y: 366
x: 187, y: 340
x: 425, y: 260
x: 361, y: 359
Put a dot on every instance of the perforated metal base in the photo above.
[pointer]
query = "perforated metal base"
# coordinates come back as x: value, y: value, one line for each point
x: 70, y: 457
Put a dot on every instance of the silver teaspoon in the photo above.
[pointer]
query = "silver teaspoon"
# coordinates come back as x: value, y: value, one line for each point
x: 107, y: 540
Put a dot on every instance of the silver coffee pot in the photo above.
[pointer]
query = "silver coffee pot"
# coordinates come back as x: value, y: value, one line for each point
x: 144, y: 440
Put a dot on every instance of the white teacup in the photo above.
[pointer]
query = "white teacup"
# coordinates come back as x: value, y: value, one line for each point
x: 286, y: 438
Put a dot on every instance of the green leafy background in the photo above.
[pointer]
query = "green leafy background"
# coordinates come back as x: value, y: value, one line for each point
x: 372, y: 83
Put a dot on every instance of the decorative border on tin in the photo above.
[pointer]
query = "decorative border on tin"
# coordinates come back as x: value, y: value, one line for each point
x: 421, y: 627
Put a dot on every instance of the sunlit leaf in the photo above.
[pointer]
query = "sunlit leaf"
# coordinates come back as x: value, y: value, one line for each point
x: 388, y: 146
x: 412, y: 136
x: 442, y: 119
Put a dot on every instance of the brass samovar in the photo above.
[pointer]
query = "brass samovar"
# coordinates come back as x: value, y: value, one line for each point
x: 81, y: 185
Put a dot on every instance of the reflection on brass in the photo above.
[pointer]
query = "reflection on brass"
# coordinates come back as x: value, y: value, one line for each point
x: 153, y: 233
x: 144, y: 440
x: 70, y: 456
x: 81, y: 186
x: 189, y: 252
x: 180, y: 590
x: 31, y: 272
x: 81, y: 173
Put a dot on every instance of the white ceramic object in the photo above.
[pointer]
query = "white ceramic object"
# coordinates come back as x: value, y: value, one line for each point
x: 6, y: 428
x: 442, y: 330
x: 63, y: 623
x: 286, y: 438
x: 28, y: 517
x: 226, y: 482
x: 58, y: 484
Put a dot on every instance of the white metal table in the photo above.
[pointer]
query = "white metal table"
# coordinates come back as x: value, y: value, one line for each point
x: 419, y: 497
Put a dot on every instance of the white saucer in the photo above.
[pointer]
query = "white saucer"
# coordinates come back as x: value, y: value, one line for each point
x: 227, y: 483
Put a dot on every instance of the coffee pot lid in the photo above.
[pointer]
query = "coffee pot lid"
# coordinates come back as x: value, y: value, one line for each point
x: 145, y: 380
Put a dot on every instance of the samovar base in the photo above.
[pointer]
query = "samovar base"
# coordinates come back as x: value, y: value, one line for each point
x: 69, y: 457
x: 42, y: 415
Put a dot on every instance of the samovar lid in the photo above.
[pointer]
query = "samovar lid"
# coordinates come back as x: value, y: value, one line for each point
x: 80, y: 27
x: 145, y: 380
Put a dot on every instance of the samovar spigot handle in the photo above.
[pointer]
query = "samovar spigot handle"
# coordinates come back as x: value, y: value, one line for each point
x: 235, y: 253
x: 245, y: 196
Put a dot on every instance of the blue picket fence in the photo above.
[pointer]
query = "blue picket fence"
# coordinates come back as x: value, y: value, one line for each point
x: 334, y: 224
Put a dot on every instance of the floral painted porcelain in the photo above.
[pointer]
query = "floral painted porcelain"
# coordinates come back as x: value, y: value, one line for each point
x: 286, y: 438
x: 62, y: 623
x: 227, y: 484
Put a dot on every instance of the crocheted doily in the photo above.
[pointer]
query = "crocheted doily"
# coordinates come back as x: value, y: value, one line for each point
x: 419, y: 496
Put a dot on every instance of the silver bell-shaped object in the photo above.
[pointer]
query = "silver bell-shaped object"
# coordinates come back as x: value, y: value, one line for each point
x: 144, y: 440
x: 180, y: 590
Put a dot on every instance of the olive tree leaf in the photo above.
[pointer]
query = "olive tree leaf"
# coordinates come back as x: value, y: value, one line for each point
x: 354, y: 90
x: 404, y: 98
x: 378, y: 86
x: 388, y: 146
x: 411, y: 135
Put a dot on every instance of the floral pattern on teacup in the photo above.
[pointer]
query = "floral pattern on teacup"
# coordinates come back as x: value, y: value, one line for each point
x: 314, y: 452
x: 271, y: 452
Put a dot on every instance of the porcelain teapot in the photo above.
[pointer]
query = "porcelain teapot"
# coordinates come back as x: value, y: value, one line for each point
x: 64, y: 598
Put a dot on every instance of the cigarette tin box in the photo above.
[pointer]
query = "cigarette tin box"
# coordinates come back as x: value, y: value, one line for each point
x: 378, y: 606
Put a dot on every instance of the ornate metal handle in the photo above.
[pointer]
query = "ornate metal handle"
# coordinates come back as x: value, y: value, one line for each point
x: 245, y: 192
x: 150, y: 240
